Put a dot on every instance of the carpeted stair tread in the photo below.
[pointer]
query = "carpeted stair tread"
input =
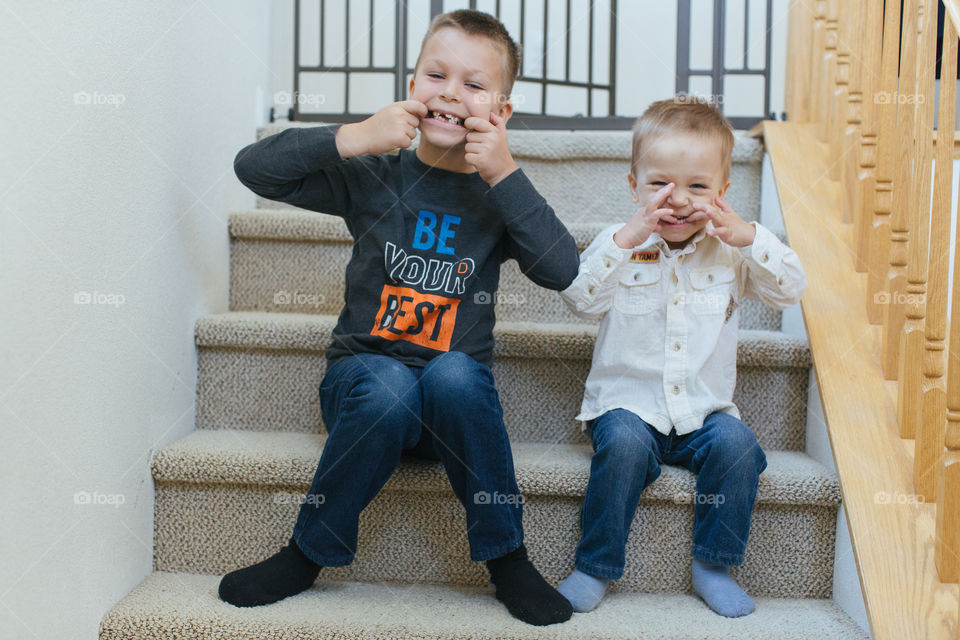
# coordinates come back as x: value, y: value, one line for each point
x: 289, y: 460
x: 583, y: 174
x: 168, y: 606
x: 563, y: 145
x: 311, y: 332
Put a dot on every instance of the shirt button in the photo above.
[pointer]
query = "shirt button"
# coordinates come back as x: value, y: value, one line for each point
x: 764, y: 257
x: 676, y: 346
x: 676, y: 389
x: 606, y: 263
x: 709, y: 277
x: 676, y: 299
x: 780, y: 280
x: 636, y: 276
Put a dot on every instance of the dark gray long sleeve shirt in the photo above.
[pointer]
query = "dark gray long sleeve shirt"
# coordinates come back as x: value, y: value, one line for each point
x: 428, y: 243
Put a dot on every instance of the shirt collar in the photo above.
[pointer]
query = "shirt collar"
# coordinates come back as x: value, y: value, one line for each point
x: 690, y: 247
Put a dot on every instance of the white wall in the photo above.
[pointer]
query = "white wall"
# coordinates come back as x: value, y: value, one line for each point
x: 125, y: 199
x: 846, y: 582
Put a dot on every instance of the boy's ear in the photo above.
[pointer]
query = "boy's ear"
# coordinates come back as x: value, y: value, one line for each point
x: 505, y: 110
x: 723, y: 192
x: 632, y: 181
x: 410, y: 88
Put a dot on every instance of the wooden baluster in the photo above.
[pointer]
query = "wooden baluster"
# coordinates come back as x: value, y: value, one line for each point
x: 818, y: 51
x: 862, y: 164
x: 848, y: 144
x: 827, y: 77
x: 929, y: 436
x: 902, y: 194
x: 882, y: 202
x: 840, y: 146
x: 799, y: 47
x: 947, y: 541
x: 912, y: 341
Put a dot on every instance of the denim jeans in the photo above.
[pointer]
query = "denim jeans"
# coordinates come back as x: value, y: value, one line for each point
x: 376, y: 408
x: 627, y: 455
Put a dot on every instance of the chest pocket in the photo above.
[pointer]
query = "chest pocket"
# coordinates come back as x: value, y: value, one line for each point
x: 711, y: 290
x: 638, y: 290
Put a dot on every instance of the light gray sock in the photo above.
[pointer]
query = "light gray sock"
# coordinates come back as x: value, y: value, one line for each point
x: 713, y: 583
x: 583, y: 591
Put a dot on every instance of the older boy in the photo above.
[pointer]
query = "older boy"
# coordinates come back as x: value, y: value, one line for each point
x: 667, y: 286
x: 409, y: 363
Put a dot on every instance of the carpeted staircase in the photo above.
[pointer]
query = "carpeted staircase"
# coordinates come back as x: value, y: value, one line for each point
x: 228, y: 494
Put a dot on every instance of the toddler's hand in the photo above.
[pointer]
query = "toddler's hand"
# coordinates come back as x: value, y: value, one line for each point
x: 727, y: 225
x: 487, y: 148
x: 646, y: 220
x: 392, y: 127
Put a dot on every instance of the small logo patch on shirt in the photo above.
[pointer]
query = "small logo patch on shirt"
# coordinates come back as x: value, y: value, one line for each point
x: 645, y: 256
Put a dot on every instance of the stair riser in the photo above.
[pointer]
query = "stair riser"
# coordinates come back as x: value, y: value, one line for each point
x: 597, y: 190
x: 420, y: 538
x: 307, y: 277
x: 278, y: 391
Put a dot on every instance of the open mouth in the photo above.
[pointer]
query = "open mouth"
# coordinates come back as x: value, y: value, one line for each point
x: 679, y: 223
x: 447, y: 118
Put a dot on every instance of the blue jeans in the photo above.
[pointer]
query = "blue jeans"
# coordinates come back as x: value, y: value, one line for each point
x: 627, y: 455
x: 376, y: 408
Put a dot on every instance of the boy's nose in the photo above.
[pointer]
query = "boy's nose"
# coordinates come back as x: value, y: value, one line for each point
x: 449, y: 93
x: 677, y: 198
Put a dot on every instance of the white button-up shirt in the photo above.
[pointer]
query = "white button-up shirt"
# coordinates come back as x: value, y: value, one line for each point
x: 666, y: 349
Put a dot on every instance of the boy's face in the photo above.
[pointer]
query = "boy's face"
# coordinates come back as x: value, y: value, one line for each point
x: 695, y: 165
x: 459, y: 75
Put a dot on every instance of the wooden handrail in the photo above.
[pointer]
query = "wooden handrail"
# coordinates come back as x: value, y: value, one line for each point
x: 867, y: 96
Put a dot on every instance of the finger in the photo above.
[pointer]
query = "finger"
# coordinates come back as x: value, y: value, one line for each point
x: 723, y: 204
x: 475, y: 136
x: 412, y: 132
x: 412, y: 120
x: 697, y: 216
x: 497, y: 121
x: 472, y: 159
x: 665, y: 215
x: 415, y: 107
x: 661, y: 197
x: 710, y: 212
x: 473, y: 147
x: 478, y: 124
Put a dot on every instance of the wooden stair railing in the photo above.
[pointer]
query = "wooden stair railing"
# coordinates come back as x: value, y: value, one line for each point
x: 863, y: 85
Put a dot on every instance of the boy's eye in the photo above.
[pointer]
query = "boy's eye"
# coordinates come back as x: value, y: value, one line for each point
x: 698, y: 186
x: 435, y: 75
x: 474, y: 85
x: 658, y: 183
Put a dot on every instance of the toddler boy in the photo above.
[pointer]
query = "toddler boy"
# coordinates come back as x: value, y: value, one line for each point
x: 666, y: 287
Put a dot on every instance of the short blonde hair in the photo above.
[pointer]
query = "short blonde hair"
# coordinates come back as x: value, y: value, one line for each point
x: 478, y: 23
x: 682, y: 114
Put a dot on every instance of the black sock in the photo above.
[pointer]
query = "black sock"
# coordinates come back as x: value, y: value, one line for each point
x: 284, y: 574
x: 527, y: 595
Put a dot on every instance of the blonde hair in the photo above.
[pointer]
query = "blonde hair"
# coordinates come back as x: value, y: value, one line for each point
x: 682, y: 114
x: 478, y: 23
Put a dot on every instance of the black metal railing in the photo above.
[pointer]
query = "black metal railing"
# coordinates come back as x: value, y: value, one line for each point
x: 601, y: 96
x: 718, y: 71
